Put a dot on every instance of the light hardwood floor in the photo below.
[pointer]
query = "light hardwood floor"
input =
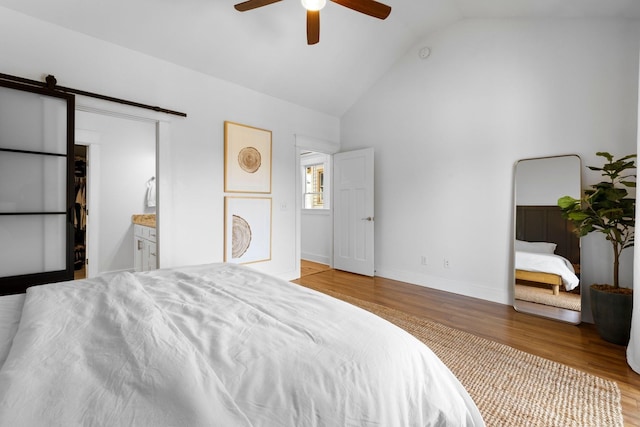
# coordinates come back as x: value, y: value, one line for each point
x: 308, y: 268
x: 576, y: 346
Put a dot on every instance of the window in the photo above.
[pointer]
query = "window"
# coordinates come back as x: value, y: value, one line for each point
x: 315, y: 185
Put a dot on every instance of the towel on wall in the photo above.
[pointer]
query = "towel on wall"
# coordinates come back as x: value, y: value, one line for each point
x: 151, y: 192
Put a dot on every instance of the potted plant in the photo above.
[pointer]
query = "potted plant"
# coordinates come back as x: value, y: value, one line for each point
x: 607, y: 208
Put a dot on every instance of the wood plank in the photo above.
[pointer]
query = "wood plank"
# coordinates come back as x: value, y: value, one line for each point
x: 578, y: 346
x: 309, y: 267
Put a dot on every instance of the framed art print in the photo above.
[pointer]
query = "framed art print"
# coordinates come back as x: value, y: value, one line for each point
x: 247, y: 159
x: 247, y: 229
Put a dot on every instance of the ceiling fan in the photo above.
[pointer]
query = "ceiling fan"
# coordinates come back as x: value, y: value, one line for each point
x: 368, y: 7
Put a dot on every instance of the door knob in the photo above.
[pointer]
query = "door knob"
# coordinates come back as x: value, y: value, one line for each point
x: 369, y: 218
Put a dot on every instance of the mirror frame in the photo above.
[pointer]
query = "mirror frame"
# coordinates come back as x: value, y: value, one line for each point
x: 548, y: 311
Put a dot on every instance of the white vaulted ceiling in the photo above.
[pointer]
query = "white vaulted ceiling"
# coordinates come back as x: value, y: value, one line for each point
x: 265, y: 49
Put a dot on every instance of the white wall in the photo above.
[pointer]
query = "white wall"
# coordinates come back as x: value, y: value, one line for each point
x: 448, y: 130
x: 192, y: 229
x: 127, y: 161
x: 317, y: 232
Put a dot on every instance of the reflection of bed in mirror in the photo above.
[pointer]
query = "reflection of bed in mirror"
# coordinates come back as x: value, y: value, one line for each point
x: 545, y: 268
x: 547, y: 258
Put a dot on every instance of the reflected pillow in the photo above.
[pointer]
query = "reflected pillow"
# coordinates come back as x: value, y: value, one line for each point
x: 536, y: 247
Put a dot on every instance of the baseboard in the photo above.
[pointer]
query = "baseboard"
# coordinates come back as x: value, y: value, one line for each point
x: 474, y: 290
x: 321, y: 259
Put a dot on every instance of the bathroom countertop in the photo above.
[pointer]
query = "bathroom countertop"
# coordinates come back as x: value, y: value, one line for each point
x: 148, y: 220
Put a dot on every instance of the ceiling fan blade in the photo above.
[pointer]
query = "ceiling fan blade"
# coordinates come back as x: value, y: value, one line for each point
x: 368, y: 7
x: 313, y: 26
x: 253, y: 4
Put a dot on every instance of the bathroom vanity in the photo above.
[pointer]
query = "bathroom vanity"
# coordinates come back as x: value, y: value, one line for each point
x: 144, y: 242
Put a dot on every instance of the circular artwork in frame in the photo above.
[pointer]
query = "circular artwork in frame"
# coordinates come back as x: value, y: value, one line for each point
x: 247, y: 229
x: 249, y: 159
x: 241, y: 236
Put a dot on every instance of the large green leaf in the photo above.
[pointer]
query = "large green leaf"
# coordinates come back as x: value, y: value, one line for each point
x: 568, y: 202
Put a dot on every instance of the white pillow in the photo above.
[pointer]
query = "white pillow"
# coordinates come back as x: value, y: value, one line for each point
x: 535, y: 247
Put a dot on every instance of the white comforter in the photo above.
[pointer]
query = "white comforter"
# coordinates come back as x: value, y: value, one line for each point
x: 218, y: 345
x: 548, y: 263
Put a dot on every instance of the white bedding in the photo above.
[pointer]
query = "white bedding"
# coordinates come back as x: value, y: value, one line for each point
x: 548, y: 263
x: 217, y: 345
x: 10, y: 309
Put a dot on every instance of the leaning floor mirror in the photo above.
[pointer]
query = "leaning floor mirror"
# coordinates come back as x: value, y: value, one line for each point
x: 547, y: 251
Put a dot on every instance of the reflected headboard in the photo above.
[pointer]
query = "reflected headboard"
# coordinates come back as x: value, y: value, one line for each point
x: 546, y: 224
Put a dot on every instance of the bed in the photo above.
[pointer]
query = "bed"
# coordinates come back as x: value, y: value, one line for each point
x: 547, y: 251
x: 550, y: 269
x: 213, y: 345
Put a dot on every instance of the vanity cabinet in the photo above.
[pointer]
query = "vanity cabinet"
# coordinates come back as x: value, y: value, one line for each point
x: 144, y: 248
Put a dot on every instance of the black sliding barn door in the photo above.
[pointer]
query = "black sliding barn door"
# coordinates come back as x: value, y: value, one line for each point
x: 36, y: 186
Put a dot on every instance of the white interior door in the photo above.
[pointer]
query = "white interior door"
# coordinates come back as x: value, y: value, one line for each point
x: 353, y: 228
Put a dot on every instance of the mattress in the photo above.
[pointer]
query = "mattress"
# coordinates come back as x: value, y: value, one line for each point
x: 548, y: 263
x: 216, y: 345
x: 10, y: 311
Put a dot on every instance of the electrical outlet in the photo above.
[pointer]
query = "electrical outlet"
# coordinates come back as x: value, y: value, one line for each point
x: 423, y: 260
x: 446, y: 263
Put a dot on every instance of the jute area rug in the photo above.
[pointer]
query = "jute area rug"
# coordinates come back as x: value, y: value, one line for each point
x: 510, y: 387
x: 545, y: 296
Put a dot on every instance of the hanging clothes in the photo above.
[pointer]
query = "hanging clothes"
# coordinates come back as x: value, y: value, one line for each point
x: 80, y: 212
x: 80, y: 206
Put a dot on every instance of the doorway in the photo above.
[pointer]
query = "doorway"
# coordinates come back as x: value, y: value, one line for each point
x: 80, y: 212
x: 316, y: 214
x: 320, y: 251
x: 121, y: 158
x: 355, y: 183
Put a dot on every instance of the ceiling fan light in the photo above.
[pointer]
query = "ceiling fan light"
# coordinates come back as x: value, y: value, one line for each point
x: 313, y: 5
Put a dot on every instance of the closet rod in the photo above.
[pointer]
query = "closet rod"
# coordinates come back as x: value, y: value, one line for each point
x: 51, y: 84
